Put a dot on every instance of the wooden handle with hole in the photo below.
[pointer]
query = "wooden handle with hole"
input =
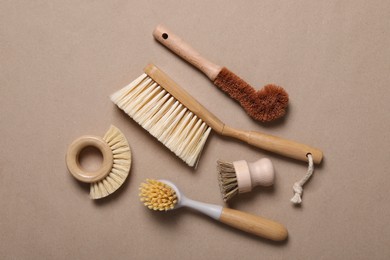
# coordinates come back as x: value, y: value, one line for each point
x: 255, y: 225
x: 270, y: 143
x: 275, y: 144
x: 186, y: 52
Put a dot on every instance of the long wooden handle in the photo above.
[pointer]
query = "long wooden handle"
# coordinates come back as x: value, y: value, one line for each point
x: 256, y: 225
x: 186, y: 52
x: 275, y: 144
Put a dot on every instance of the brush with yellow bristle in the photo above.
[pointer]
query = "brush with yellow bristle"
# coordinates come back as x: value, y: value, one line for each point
x: 114, y: 169
x: 163, y: 195
x: 157, y: 195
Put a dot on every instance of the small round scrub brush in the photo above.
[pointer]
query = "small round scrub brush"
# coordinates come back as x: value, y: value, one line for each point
x: 163, y: 195
x: 115, y: 167
x: 241, y: 176
x: 266, y: 104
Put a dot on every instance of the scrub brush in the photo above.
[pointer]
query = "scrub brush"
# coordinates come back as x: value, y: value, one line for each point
x: 115, y: 167
x: 241, y: 176
x: 267, y: 104
x: 163, y: 195
x: 182, y: 124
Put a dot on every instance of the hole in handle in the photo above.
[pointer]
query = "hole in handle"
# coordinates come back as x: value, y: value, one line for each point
x: 165, y: 36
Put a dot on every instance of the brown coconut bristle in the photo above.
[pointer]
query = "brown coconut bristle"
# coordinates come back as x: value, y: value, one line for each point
x: 227, y: 179
x: 266, y: 104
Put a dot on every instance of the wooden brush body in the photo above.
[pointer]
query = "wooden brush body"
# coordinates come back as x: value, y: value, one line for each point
x: 182, y: 124
x: 267, y: 142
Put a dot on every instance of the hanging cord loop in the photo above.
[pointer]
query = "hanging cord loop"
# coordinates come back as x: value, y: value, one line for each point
x: 298, y: 186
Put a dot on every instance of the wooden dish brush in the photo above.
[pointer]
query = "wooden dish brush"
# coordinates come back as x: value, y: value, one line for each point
x: 182, y: 124
x: 241, y: 176
x: 115, y: 167
x: 267, y: 104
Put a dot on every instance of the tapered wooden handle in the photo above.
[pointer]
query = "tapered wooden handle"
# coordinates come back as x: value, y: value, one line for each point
x: 256, y: 225
x: 186, y: 52
x: 275, y: 144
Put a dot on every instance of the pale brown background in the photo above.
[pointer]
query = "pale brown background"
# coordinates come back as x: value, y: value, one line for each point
x: 60, y: 60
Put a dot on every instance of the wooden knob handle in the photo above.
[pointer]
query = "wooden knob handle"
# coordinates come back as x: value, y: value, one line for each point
x: 262, y: 172
x: 73, y: 163
x: 186, y: 52
x: 256, y: 225
x: 249, y: 175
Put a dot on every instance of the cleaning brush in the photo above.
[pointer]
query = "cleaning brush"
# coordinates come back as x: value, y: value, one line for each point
x: 241, y: 176
x: 163, y: 195
x: 115, y: 167
x: 267, y: 104
x: 182, y: 124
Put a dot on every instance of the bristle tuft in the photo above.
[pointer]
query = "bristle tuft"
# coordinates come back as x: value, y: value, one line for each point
x: 120, y: 168
x: 266, y: 104
x: 152, y: 107
x: 157, y: 195
x: 227, y: 180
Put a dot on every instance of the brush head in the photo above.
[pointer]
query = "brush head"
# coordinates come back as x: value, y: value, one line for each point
x: 157, y: 195
x: 119, y: 171
x: 227, y: 180
x: 164, y: 117
x: 266, y: 104
x: 115, y: 167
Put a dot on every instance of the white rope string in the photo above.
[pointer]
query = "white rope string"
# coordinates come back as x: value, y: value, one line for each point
x: 298, y: 186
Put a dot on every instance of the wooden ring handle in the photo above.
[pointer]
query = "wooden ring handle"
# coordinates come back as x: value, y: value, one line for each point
x: 73, y: 163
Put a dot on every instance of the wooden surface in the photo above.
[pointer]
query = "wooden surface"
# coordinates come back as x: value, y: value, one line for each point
x: 60, y: 61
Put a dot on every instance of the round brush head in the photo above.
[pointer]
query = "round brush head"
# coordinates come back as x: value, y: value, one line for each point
x: 266, y: 104
x: 157, y: 195
x: 241, y: 176
x: 115, y: 167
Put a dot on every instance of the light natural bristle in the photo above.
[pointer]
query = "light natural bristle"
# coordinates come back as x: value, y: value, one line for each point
x: 157, y: 111
x: 227, y: 179
x: 157, y: 195
x: 120, y: 168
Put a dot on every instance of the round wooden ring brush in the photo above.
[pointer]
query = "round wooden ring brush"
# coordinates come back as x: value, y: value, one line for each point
x: 241, y: 176
x: 163, y: 195
x: 267, y: 104
x: 115, y: 167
